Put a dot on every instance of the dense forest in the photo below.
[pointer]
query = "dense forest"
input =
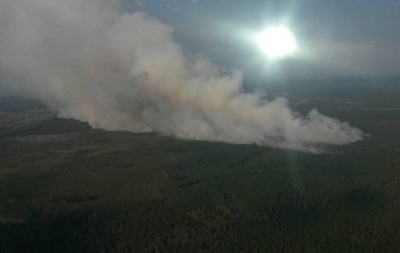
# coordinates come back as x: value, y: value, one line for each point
x: 65, y: 187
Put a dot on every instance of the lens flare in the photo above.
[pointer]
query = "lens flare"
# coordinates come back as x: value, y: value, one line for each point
x: 277, y: 42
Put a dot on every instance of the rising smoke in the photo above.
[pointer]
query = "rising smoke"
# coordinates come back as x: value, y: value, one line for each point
x: 123, y: 71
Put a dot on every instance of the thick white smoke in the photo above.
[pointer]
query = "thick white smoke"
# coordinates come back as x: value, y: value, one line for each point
x: 123, y: 71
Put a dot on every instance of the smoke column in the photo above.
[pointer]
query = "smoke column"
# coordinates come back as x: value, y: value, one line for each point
x: 124, y: 71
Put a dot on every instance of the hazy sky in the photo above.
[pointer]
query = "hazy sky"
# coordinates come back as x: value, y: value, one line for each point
x: 337, y: 38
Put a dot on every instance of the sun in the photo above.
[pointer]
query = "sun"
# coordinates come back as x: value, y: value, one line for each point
x: 277, y: 42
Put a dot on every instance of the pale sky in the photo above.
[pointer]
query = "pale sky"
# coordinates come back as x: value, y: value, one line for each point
x: 337, y: 38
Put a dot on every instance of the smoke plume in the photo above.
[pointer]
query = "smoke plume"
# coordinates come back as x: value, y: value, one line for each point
x: 124, y: 71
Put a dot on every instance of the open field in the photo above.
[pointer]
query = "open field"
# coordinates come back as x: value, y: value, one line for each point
x: 65, y: 187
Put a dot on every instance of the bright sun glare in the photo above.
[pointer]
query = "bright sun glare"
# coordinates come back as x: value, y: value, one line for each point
x: 277, y: 42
